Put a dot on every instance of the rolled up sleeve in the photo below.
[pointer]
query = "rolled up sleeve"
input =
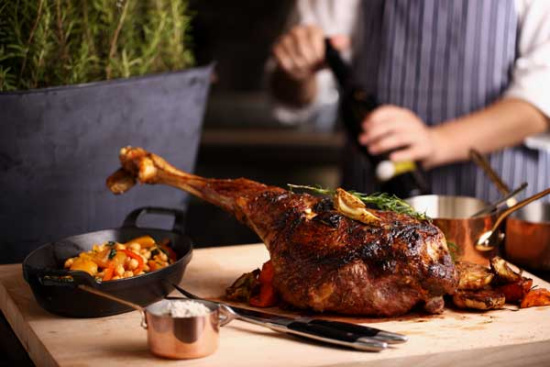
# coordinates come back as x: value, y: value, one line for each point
x: 531, y: 73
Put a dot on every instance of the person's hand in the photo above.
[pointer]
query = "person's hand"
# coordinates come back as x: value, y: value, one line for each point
x: 301, y: 52
x: 401, y: 132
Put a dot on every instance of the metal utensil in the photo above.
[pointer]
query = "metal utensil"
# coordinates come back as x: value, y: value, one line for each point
x: 340, y: 333
x: 486, y: 241
x: 484, y: 164
x: 505, y: 199
x: 176, y: 337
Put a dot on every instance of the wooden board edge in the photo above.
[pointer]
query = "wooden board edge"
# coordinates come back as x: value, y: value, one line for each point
x: 525, y: 355
x: 26, y: 335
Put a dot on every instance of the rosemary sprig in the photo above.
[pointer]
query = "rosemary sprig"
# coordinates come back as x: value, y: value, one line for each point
x: 315, y: 189
x: 60, y: 42
x: 381, y: 201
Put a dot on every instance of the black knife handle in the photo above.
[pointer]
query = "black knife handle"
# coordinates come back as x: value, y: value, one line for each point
x: 335, y: 336
x: 363, y: 331
x: 346, y: 326
x: 323, y: 331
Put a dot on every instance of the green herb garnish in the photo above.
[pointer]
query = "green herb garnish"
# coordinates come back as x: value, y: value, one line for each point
x: 381, y: 201
x: 111, y: 243
x: 112, y: 253
x: 453, y: 250
x: 163, y: 251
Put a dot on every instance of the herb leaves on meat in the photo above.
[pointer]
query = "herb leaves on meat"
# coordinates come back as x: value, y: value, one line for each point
x: 381, y: 201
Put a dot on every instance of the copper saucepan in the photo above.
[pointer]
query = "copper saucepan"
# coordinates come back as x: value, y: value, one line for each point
x: 528, y: 237
x: 453, y: 215
x: 527, y: 240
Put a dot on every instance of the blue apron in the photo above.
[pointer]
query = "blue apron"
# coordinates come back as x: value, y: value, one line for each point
x: 443, y: 59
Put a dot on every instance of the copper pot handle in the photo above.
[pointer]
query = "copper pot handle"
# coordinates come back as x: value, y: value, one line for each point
x: 484, y: 242
x: 116, y: 299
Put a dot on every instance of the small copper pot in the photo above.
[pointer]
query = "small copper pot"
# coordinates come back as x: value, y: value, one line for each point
x: 183, y: 337
x: 527, y: 241
x: 177, y: 337
x: 452, y: 214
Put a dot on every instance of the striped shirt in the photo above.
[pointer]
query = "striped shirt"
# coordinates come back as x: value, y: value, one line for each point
x: 444, y: 59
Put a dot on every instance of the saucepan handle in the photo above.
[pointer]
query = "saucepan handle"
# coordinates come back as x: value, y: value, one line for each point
x: 179, y: 217
x: 226, y: 315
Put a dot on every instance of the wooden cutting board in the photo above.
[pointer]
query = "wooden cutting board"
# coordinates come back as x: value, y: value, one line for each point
x: 503, y: 337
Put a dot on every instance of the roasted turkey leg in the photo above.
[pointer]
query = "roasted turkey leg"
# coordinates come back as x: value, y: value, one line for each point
x: 323, y: 260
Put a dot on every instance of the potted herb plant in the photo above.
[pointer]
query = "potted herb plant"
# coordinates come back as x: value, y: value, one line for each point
x: 79, y: 79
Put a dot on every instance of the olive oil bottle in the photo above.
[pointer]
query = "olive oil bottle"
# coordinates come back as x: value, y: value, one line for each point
x: 403, y: 179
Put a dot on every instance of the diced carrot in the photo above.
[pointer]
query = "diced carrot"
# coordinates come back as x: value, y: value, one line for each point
x: 267, y: 273
x: 109, y: 271
x: 536, y: 297
x: 152, y: 265
x: 266, y: 298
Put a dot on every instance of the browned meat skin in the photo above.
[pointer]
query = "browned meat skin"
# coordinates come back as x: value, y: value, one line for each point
x: 323, y: 260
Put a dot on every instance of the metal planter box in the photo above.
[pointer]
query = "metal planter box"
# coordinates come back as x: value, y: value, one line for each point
x: 58, y: 145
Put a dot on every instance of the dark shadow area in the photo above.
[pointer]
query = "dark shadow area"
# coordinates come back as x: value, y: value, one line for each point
x: 11, y: 350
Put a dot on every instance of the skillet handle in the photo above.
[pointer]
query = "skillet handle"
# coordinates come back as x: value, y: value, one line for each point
x: 179, y: 217
x: 55, y: 277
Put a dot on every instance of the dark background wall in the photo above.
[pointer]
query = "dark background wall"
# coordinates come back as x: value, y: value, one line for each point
x: 241, y: 137
x: 238, y: 35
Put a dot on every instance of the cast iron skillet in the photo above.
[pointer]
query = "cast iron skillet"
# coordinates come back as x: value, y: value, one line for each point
x: 43, y: 267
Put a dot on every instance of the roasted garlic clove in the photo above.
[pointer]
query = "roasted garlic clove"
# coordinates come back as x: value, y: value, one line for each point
x: 352, y: 207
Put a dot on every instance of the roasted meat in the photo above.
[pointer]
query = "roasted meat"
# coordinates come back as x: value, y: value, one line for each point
x: 323, y: 260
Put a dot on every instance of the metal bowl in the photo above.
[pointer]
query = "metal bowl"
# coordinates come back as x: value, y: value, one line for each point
x: 527, y: 241
x: 452, y: 214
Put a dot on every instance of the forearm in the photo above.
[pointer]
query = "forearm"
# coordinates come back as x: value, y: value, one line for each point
x: 293, y: 92
x: 503, y: 124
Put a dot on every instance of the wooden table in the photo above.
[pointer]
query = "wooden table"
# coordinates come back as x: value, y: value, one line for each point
x: 502, y: 338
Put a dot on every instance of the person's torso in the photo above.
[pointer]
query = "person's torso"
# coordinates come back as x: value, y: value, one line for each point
x: 443, y: 59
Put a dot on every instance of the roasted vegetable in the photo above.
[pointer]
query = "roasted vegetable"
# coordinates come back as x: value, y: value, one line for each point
x: 113, y: 260
x: 267, y: 296
x: 515, y: 292
x: 536, y: 297
x: 241, y: 290
x: 138, y: 258
x: 84, y: 264
x: 163, y: 246
x: 473, y: 276
x: 504, y: 274
x: 485, y: 299
x: 255, y: 288
x: 143, y: 241
x: 109, y: 272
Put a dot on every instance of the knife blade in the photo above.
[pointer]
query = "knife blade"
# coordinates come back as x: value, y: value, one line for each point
x: 361, y: 330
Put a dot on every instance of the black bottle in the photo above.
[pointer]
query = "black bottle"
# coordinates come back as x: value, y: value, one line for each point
x: 403, y: 179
